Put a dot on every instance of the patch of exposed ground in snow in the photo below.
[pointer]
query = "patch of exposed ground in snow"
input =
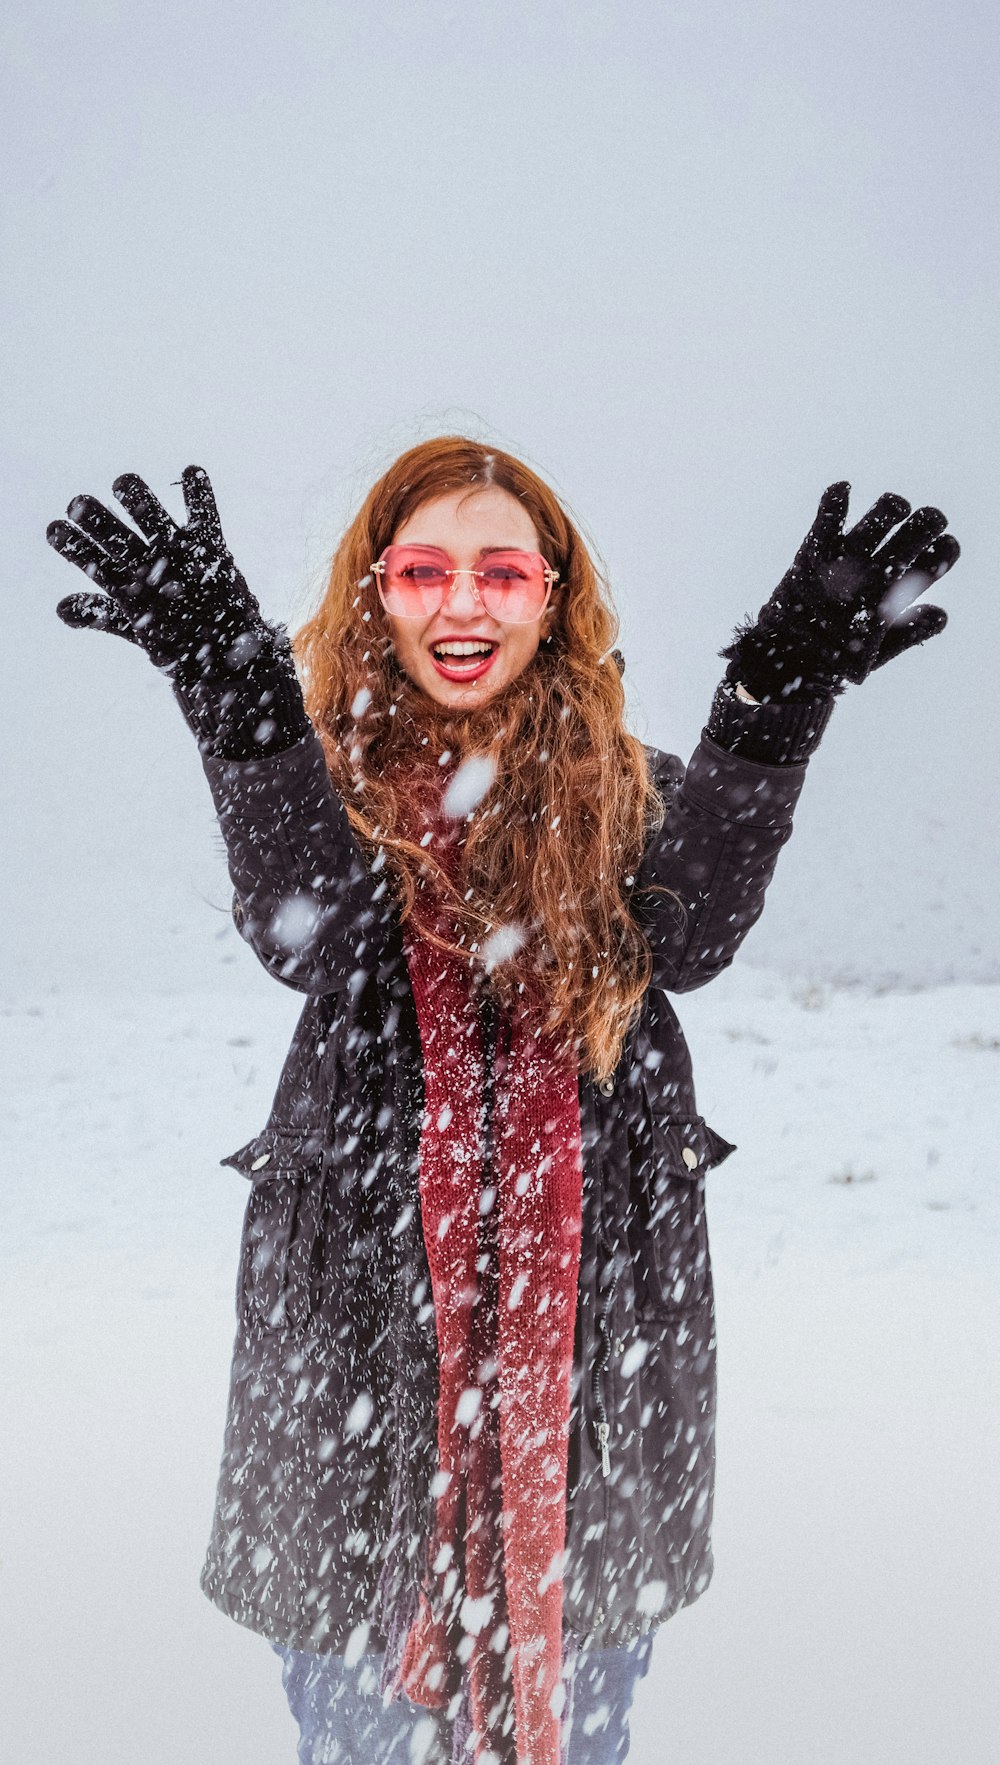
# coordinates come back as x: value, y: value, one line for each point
x: 855, y: 1236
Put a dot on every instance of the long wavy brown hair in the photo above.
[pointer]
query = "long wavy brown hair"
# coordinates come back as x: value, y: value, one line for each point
x: 537, y: 888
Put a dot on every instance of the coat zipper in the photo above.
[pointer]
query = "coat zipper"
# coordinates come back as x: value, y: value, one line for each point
x: 598, y: 1366
x: 603, y: 1432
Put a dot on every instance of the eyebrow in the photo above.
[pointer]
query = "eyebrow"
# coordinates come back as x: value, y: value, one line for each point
x: 484, y: 551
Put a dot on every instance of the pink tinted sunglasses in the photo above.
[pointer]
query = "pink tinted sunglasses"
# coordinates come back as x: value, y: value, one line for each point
x: 512, y: 586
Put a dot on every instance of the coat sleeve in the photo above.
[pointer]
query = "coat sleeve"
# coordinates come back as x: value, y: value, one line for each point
x: 305, y: 899
x: 727, y: 818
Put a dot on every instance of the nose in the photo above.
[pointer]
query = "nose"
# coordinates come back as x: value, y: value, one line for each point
x: 462, y: 600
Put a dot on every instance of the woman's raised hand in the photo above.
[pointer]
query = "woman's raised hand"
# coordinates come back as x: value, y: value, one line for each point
x: 846, y: 605
x: 177, y: 593
x: 174, y: 590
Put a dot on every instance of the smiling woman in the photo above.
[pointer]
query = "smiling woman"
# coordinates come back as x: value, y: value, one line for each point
x: 466, y: 590
x: 541, y: 704
x: 469, y: 1457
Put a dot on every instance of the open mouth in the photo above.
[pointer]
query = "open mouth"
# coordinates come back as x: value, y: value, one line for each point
x: 463, y: 658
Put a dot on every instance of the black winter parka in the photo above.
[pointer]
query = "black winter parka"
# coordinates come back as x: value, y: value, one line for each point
x: 325, y: 1500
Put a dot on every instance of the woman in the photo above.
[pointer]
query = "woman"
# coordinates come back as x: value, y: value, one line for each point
x: 469, y: 1462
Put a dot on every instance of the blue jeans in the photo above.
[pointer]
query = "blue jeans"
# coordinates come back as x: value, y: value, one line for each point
x: 343, y: 1721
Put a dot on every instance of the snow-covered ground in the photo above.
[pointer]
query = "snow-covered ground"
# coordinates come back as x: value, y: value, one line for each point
x: 854, y: 1611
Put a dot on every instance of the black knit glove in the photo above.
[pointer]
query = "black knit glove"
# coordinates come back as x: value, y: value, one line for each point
x: 178, y: 594
x: 844, y: 608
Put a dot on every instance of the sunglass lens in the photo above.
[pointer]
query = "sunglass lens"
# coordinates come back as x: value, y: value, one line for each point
x: 412, y: 585
x: 513, y: 586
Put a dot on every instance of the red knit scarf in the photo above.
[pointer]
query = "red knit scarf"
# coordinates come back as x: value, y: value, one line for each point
x: 504, y: 1263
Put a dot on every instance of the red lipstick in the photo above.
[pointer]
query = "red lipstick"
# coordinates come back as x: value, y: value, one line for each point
x: 463, y: 658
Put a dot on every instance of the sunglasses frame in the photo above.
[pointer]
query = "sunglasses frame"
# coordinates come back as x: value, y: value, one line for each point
x: 551, y: 578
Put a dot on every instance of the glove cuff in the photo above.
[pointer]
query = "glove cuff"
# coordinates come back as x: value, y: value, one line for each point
x: 248, y: 713
x: 775, y: 734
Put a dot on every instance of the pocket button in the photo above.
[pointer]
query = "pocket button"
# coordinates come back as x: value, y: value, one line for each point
x: 259, y: 1163
x: 690, y: 1157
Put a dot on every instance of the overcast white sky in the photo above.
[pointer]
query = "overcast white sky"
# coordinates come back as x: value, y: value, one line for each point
x: 694, y: 261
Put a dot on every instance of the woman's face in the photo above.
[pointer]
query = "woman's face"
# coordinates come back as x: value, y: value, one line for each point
x: 465, y: 524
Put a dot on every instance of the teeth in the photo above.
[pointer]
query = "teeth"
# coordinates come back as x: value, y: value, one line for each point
x: 469, y: 648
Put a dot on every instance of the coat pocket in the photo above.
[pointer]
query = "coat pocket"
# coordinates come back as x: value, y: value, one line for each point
x: 285, y: 1168
x: 675, y: 1269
